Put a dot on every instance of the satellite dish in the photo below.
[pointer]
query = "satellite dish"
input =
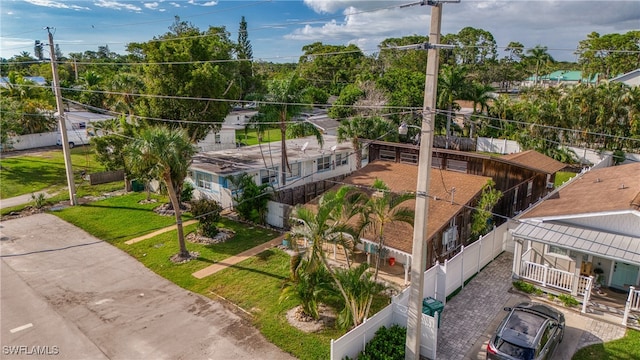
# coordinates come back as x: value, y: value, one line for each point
x: 304, y: 147
x: 333, y: 148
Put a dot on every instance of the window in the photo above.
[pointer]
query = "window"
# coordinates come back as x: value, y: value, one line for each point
x: 342, y: 159
x: 324, y: 163
x: 269, y: 176
x: 217, y: 138
x: 457, y: 165
x: 295, y: 171
x: 387, y: 155
x: 79, y: 126
x: 449, y: 239
x: 204, y: 180
x: 408, y: 158
x: 556, y: 250
x: 529, y: 188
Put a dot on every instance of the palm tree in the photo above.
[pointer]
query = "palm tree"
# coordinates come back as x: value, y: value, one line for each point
x: 166, y: 154
x: 381, y: 209
x: 362, y: 128
x: 540, y: 57
x: 452, y: 85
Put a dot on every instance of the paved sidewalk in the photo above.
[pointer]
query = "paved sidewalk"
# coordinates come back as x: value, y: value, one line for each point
x: 21, y: 199
x: 471, y: 317
x: 230, y: 261
x: 158, y: 232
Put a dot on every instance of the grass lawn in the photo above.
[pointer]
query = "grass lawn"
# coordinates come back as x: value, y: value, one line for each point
x: 562, y: 177
x: 253, y: 285
x: 27, y: 174
x: 251, y: 136
x: 627, y: 348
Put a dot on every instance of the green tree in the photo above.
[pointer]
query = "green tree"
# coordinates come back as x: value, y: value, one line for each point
x: 308, y: 286
x: 251, y: 200
x: 355, y: 129
x: 452, y: 86
x: 166, y: 153
x: 383, y: 208
x: 200, y: 72
x: 610, y: 54
x: 330, y: 67
x: 540, y: 58
x: 342, y: 107
x: 245, y: 54
x: 360, y: 288
x: 480, y: 223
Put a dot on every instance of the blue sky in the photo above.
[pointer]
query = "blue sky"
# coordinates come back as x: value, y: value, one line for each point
x: 279, y: 29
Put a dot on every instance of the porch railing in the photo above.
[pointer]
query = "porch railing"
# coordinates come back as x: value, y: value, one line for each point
x: 554, y: 278
x: 633, y: 303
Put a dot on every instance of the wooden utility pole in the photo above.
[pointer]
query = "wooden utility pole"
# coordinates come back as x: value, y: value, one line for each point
x: 62, y: 124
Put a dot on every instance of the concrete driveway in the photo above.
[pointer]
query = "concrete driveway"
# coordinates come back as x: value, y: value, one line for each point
x: 68, y: 295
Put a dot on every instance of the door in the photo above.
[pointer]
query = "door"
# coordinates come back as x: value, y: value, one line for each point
x: 624, y: 274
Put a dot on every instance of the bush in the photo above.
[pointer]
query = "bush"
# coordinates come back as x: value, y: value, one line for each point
x: 208, y: 214
x: 568, y: 300
x: 38, y: 200
x: 187, y: 192
x: 525, y: 287
x: 387, y: 344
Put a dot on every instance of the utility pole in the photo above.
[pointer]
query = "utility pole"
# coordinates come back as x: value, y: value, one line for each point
x: 62, y: 124
x: 419, y: 251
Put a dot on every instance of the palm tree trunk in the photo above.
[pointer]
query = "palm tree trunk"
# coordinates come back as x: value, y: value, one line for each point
x: 358, y: 149
x: 176, y: 207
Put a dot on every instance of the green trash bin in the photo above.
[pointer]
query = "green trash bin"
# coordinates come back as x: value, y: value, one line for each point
x: 431, y: 306
x: 137, y: 186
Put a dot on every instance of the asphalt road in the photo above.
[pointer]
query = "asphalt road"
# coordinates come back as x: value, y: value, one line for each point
x: 67, y: 295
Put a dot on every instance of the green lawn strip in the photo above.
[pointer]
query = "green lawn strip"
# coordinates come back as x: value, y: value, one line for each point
x: 119, y: 218
x: 26, y: 174
x: 562, y: 177
x: 627, y: 348
x: 251, y: 137
x: 255, y: 285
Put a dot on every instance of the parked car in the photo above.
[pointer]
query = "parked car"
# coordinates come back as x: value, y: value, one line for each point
x: 530, y: 331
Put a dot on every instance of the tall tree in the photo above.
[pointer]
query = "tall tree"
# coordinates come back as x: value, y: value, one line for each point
x: 245, y: 55
x: 166, y: 153
x: 452, y: 86
x: 330, y: 67
x: 610, y: 54
x: 355, y: 129
x: 196, y: 75
x: 539, y: 56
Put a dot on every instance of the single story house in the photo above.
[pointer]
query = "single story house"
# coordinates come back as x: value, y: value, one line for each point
x: 309, y: 162
x: 587, y: 229
x: 561, y: 77
x: 225, y: 137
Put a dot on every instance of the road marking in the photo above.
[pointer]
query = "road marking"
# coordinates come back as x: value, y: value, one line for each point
x: 100, y: 302
x: 20, y: 328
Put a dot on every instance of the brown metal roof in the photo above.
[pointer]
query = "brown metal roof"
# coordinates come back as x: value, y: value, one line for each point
x: 535, y: 160
x: 613, y: 188
x: 403, y: 178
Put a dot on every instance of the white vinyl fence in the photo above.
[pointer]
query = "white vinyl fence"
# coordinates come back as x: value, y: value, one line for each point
x: 32, y: 141
x: 440, y: 281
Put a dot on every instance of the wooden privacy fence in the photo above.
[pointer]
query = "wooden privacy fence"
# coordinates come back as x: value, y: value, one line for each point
x: 106, y: 177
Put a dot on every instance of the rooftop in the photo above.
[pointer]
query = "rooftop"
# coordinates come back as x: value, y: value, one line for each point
x: 608, y: 189
x: 247, y: 158
x: 403, y: 178
x: 535, y: 160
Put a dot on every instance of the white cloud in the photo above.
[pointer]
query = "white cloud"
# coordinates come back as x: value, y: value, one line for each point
x: 151, y: 6
x: 557, y: 24
x: 207, y: 3
x: 175, y: 4
x: 56, y: 4
x: 116, y: 5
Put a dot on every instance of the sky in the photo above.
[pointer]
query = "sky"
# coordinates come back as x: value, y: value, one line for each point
x: 279, y: 29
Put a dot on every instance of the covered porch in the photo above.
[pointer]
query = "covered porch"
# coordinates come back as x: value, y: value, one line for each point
x: 585, y: 264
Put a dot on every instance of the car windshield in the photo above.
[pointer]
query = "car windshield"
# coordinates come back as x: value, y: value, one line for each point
x: 522, y: 328
x: 515, y: 351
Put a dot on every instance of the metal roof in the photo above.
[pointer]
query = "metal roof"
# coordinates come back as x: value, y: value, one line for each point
x: 605, y: 244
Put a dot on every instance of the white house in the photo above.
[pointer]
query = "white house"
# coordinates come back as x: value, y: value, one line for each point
x: 79, y: 127
x: 225, y: 137
x: 588, y: 229
x: 308, y: 161
x: 632, y: 78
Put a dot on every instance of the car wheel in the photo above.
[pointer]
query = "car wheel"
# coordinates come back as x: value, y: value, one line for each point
x: 71, y: 145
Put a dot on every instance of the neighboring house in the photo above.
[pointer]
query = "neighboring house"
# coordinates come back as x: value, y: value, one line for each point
x: 632, y: 78
x: 454, y: 194
x: 308, y: 163
x: 523, y: 178
x: 589, y: 227
x: 561, y: 77
x: 324, y: 123
x: 79, y: 126
x: 38, y: 80
x: 225, y: 137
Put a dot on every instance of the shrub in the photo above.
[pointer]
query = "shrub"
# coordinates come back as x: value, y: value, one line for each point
x: 387, y: 344
x: 208, y: 214
x: 524, y: 287
x: 187, y: 192
x: 38, y: 200
x: 568, y: 300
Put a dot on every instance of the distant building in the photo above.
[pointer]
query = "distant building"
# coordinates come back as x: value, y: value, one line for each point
x: 632, y: 78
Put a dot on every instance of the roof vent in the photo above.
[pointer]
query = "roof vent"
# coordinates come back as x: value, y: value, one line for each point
x: 598, y: 180
x: 622, y: 187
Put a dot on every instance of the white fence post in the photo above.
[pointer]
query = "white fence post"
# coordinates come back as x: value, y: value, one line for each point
x: 545, y: 271
x: 627, y: 306
x: 587, y: 294
x: 462, y: 266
